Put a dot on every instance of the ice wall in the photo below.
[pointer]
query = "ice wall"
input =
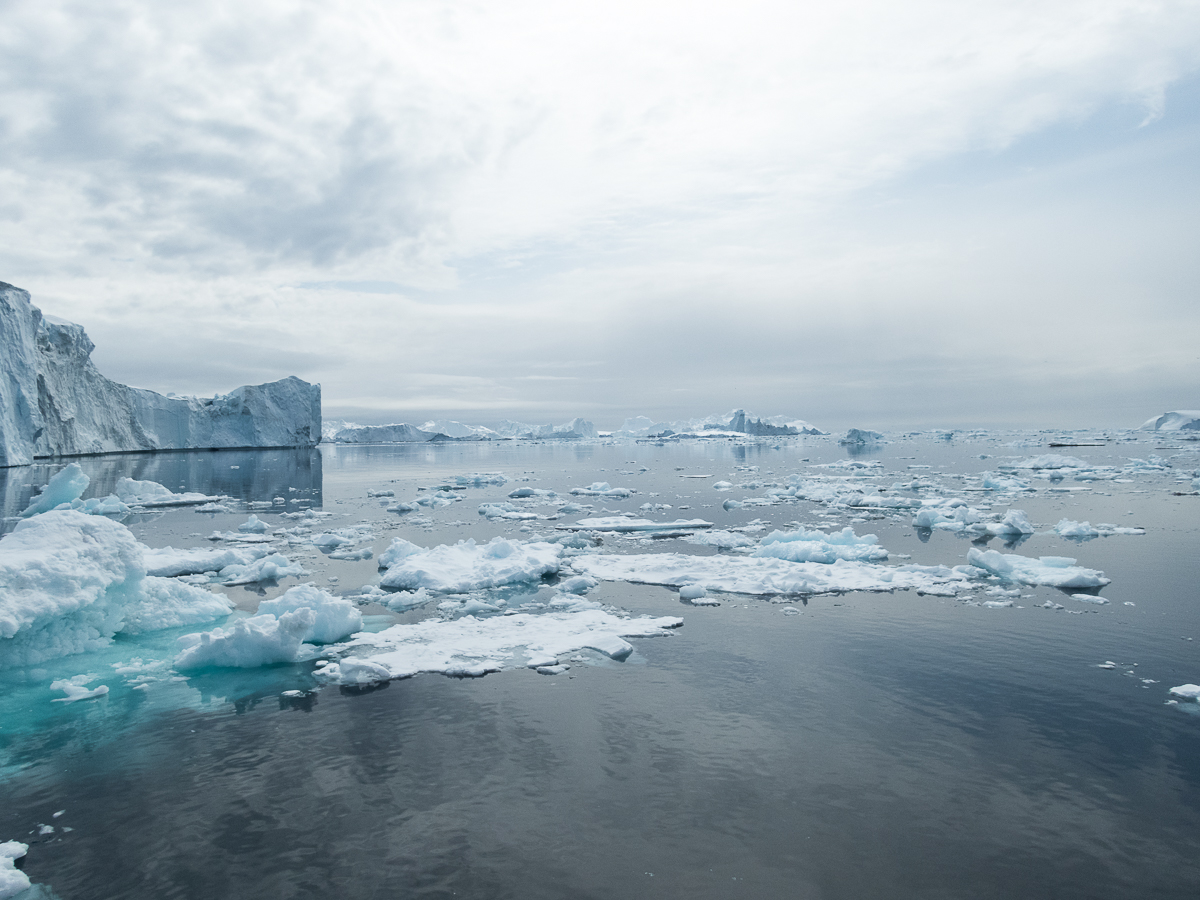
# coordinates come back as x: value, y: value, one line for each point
x: 55, y: 402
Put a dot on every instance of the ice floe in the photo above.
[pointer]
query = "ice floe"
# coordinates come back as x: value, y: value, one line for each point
x: 1047, y: 571
x: 12, y: 880
x: 766, y: 575
x: 1085, y: 530
x: 630, y: 524
x: 473, y: 647
x: 1185, y: 692
x: 805, y: 546
x: 466, y: 565
x: 336, y: 617
x: 603, y: 489
x: 260, y: 640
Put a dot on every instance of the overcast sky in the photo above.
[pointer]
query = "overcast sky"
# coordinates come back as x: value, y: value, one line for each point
x: 871, y: 214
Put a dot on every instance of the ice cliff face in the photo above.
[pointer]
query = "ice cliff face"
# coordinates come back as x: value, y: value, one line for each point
x: 54, y: 402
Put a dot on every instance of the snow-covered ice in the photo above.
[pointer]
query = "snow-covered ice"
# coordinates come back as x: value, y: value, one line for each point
x: 76, y: 688
x: 260, y: 640
x: 466, y: 566
x: 12, y: 880
x: 818, y: 547
x: 336, y: 617
x: 1176, y: 420
x: 474, y: 647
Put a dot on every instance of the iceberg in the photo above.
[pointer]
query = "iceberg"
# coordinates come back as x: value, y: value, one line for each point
x: 861, y: 436
x: 575, y: 430
x: 69, y: 582
x: 151, y: 494
x: 736, y: 422
x: 54, y: 401
x: 65, y: 486
x: 261, y: 640
x: 12, y: 880
x: 1176, y: 420
x: 1046, y: 571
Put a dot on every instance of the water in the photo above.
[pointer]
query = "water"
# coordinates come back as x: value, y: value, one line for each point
x: 870, y: 745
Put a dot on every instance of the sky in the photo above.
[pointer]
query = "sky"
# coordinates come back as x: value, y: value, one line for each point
x: 865, y: 214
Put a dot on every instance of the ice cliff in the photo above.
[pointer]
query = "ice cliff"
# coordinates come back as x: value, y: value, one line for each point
x: 55, y: 402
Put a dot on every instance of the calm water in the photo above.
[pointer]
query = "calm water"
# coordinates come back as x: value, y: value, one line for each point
x: 874, y: 745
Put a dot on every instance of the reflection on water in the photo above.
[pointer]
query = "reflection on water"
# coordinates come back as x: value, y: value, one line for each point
x: 840, y: 747
x: 259, y: 475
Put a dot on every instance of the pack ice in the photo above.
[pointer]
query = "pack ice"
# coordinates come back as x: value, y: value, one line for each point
x: 69, y: 582
x: 55, y: 402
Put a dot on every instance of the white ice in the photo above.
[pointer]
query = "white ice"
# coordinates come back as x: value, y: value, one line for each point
x: 151, y: 494
x: 474, y: 647
x: 629, y: 524
x: 1176, y: 420
x: 1047, y: 571
x: 336, y: 617
x: 76, y: 688
x: 805, y: 546
x: 12, y: 880
x: 69, y: 582
x: 1186, y: 691
x: 765, y: 576
x: 168, y: 562
x: 1085, y: 530
x: 260, y: 640
x: 466, y: 566
x: 603, y: 489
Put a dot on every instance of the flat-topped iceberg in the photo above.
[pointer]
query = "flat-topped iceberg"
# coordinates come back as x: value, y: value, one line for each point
x: 733, y: 423
x: 55, y: 402
x: 1176, y: 420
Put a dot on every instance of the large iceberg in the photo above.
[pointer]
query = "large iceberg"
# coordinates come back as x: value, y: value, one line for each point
x: 69, y: 582
x: 736, y: 422
x: 55, y: 402
x: 1176, y: 420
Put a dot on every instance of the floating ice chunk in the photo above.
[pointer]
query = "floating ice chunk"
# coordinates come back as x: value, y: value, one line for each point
x: 732, y: 504
x: 1186, y: 691
x: 12, y: 880
x: 505, y: 511
x: 381, y: 493
x: 236, y: 537
x: 577, y: 584
x: 65, y: 486
x: 1015, y: 522
x: 878, y: 501
x: 722, y: 486
x: 765, y: 576
x: 330, y: 540
x: 364, y: 553
x: 467, y: 566
x: 438, y: 499
x: 151, y: 493
x: 1052, y: 461
x: 818, y: 547
x: 1086, y: 531
x: 474, y: 647
x: 336, y: 617
x: 624, y: 524
x: 861, y: 436
x: 722, y: 540
x: 269, y: 568
x: 256, y: 641
x: 101, y: 506
x: 69, y: 582
x: 993, y: 482
x: 697, y: 595
x: 77, y: 689
x: 1089, y: 598
x: 602, y: 489
x: 253, y: 525
x: 479, y: 479
x: 167, y: 562
x: 1048, y: 571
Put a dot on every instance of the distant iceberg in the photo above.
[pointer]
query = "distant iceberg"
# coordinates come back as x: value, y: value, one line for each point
x: 736, y: 422
x: 576, y: 429
x: 405, y: 433
x: 55, y: 402
x: 1176, y: 420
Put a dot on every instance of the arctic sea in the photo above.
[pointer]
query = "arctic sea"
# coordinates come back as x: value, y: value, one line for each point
x: 999, y: 740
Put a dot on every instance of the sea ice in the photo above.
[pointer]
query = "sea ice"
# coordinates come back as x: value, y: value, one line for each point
x: 12, y: 880
x: 629, y: 524
x: 602, y: 489
x: 765, y: 576
x: 805, y: 546
x: 466, y: 566
x: 269, y: 568
x: 1186, y: 691
x: 722, y: 540
x: 76, y: 688
x: 1047, y: 571
x: 167, y: 562
x: 69, y: 582
x: 260, y: 640
x: 1176, y: 420
x: 151, y: 494
x: 336, y: 617
x: 474, y: 647
x: 1085, y: 530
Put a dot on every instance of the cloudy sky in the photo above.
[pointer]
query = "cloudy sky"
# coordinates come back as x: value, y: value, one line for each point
x: 875, y: 214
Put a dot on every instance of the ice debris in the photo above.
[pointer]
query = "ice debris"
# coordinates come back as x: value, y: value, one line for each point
x: 819, y: 547
x: 336, y: 617
x: 76, y: 688
x: 12, y: 880
x: 630, y: 524
x: 1086, y: 531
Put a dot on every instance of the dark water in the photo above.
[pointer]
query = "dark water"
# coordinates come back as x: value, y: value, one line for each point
x: 875, y: 745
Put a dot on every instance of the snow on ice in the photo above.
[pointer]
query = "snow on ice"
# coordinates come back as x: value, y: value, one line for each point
x: 466, y: 566
x: 1047, y: 571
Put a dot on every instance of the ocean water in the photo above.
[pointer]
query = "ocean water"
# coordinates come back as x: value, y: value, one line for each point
x: 837, y: 746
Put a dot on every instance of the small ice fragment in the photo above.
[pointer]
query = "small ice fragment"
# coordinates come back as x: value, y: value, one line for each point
x: 1186, y: 692
x: 57, y: 814
x: 1107, y: 664
x: 253, y: 525
x: 552, y: 670
x: 692, y: 592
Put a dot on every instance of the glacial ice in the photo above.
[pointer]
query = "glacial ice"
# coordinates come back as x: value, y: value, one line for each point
x: 12, y: 880
x: 1176, y: 420
x: 54, y: 402
x: 466, y: 566
x: 1047, y: 571
x: 737, y: 422
x: 151, y: 494
x: 1086, y: 530
x: 474, y: 647
x: 168, y: 562
x: 861, y: 436
x: 269, y: 568
x: 69, y: 582
x: 805, y: 546
x: 336, y: 617
x: 260, y: 640
x: 602, y: 489
x: 65, y: 486
x: 765, y: 576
